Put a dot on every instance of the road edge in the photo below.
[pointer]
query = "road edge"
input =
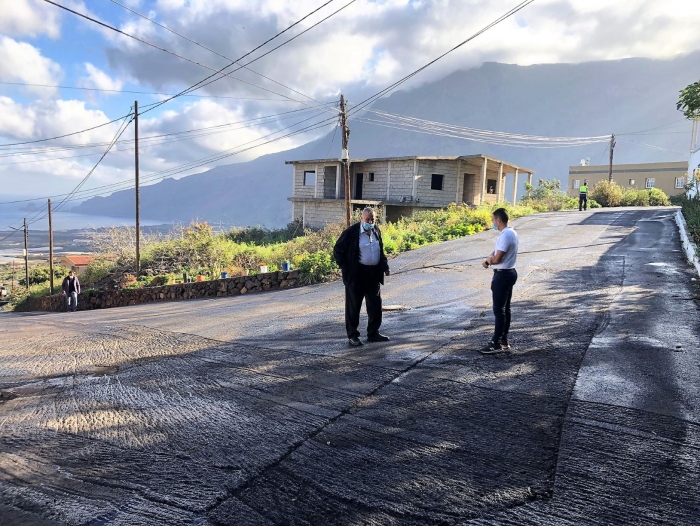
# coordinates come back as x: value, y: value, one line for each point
x: 691, y: 250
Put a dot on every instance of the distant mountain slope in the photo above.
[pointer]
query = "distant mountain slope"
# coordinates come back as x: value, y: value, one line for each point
x: 593, y: 98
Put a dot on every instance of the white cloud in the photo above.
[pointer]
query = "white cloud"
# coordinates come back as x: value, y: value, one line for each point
x: 22, y: 62
x: 96, y: 78
x: 29, y: 18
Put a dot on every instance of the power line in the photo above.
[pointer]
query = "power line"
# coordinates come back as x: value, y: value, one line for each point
x: 186, y: 166
x: 122, y: 129
x: 182, y: 93
x: 65, y: 135
x: 216, y: 72
x: 26, y: 84
x: 396, y: 84
x: 155, y: 140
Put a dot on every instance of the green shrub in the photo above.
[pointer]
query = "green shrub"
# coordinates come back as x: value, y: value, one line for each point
x: 97, y: 270
x: 314, y: 268
x: 592, y: 203
x: 657, y: 197
x: 40, y: 275
x: 607, y: 193
x: 547, y: 196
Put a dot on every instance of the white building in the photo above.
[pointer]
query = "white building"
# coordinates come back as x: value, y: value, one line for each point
x: 401, y: 185
x: 694, y: 163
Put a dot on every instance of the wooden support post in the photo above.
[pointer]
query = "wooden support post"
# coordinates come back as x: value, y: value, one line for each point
x: 515, y: 187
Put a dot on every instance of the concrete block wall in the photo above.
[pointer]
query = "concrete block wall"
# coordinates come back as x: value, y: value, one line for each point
x: 448, y: 169
x: 373, y: 190
x: 401, y: 180
x: 320, y: 213
x: 301, y: 190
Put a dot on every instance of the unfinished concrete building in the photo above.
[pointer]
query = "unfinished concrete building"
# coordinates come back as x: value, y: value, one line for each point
x: 400, y: 185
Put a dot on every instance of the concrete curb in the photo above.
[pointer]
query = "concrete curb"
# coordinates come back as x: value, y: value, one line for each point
x: 691, y: 251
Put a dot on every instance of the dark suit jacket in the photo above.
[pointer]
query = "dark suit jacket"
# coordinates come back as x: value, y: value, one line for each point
x: 65, y: 284
x: 347, y: 254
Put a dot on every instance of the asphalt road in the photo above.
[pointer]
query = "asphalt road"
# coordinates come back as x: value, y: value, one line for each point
x: 253, y: 410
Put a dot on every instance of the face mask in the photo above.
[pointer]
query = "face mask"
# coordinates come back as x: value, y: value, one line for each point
x: 367, y: 226
x: 493, y: 225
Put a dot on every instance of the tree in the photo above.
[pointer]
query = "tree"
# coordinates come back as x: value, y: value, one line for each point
x: 689, y: 101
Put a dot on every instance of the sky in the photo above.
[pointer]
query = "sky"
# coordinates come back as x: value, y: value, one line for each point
x: 359, y: 51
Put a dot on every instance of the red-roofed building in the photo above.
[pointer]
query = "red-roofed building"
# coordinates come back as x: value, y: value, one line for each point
x: 76, y: 262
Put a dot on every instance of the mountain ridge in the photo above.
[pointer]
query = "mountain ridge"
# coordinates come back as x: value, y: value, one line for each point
x: 586, y: 99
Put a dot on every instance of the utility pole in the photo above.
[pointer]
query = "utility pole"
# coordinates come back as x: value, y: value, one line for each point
x: 345, y: 158
x: 612, y: 149
x: 26, y: 254
x: 50, y: 251
x: 136, y: 171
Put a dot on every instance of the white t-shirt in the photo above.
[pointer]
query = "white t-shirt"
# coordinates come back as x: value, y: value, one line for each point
x: 507, y: 242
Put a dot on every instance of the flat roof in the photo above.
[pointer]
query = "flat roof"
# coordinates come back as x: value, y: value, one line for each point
x: 670, y: 166
x: 418, y: 158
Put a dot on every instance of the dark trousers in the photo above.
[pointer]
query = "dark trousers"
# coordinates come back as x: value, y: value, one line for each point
x: 502, y: 289
x: 582, y: 202
x: 365, y: 286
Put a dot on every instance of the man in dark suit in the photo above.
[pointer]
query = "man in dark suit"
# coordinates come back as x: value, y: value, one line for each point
x: 359, y: 253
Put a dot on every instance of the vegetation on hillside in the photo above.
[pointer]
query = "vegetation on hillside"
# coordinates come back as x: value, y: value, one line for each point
x: 198, y: 250
x: 548, y: 196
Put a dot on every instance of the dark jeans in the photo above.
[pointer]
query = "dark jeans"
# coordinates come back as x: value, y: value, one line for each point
x: 502, y: 289
x: 365, y: 286
x: 582, y: 202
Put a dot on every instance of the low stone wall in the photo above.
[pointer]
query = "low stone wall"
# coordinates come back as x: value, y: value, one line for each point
x: 105, y: 299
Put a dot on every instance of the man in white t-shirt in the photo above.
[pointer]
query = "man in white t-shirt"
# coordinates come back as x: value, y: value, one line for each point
x: 504, y: 277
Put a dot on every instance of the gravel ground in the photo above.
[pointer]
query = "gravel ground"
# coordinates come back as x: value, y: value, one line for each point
x: 253, y: 410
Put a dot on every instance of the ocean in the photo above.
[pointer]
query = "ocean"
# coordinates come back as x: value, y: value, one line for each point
x: 64, y: 220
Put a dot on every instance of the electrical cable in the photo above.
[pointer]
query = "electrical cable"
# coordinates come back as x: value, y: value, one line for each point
x: 156, y: 140
x: 153, y: 45
x: 396, y: 84
x: 192, y: 164
x: 216, y: 72
x: 230, y: 59
x: 120, y: 131
x: 26, y: 84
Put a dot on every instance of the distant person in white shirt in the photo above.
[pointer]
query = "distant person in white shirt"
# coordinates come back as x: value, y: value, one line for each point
x: 504, y: 277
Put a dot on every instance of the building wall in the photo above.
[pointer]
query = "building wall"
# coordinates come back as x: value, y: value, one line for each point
x: 317, y: 214
x: 664, y: 173
x: 448, y: 194
x: 694, y: 165
x: 300, y: 190
x: 372, y: 190
x: 401, y: 180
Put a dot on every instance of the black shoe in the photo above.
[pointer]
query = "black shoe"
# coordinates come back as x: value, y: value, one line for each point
x: 492, y: 348
x: 504, y: 344
x: 377, y: 338
x: 354, y: 342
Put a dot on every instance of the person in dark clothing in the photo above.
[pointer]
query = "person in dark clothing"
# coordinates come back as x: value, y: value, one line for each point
x: 359, y: 252
x: 70, y: 288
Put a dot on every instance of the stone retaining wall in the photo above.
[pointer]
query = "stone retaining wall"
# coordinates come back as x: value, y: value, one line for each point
x: 105, y: 299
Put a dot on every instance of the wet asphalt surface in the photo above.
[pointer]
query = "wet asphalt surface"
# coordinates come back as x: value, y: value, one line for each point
x: 253, y: 410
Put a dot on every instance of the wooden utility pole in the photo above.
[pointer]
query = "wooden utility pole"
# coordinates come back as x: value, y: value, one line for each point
x: 136, y: 172
x: 345, y: 159
x: 612, y: 149
x: 26, y: 254
x: 50, y: 251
